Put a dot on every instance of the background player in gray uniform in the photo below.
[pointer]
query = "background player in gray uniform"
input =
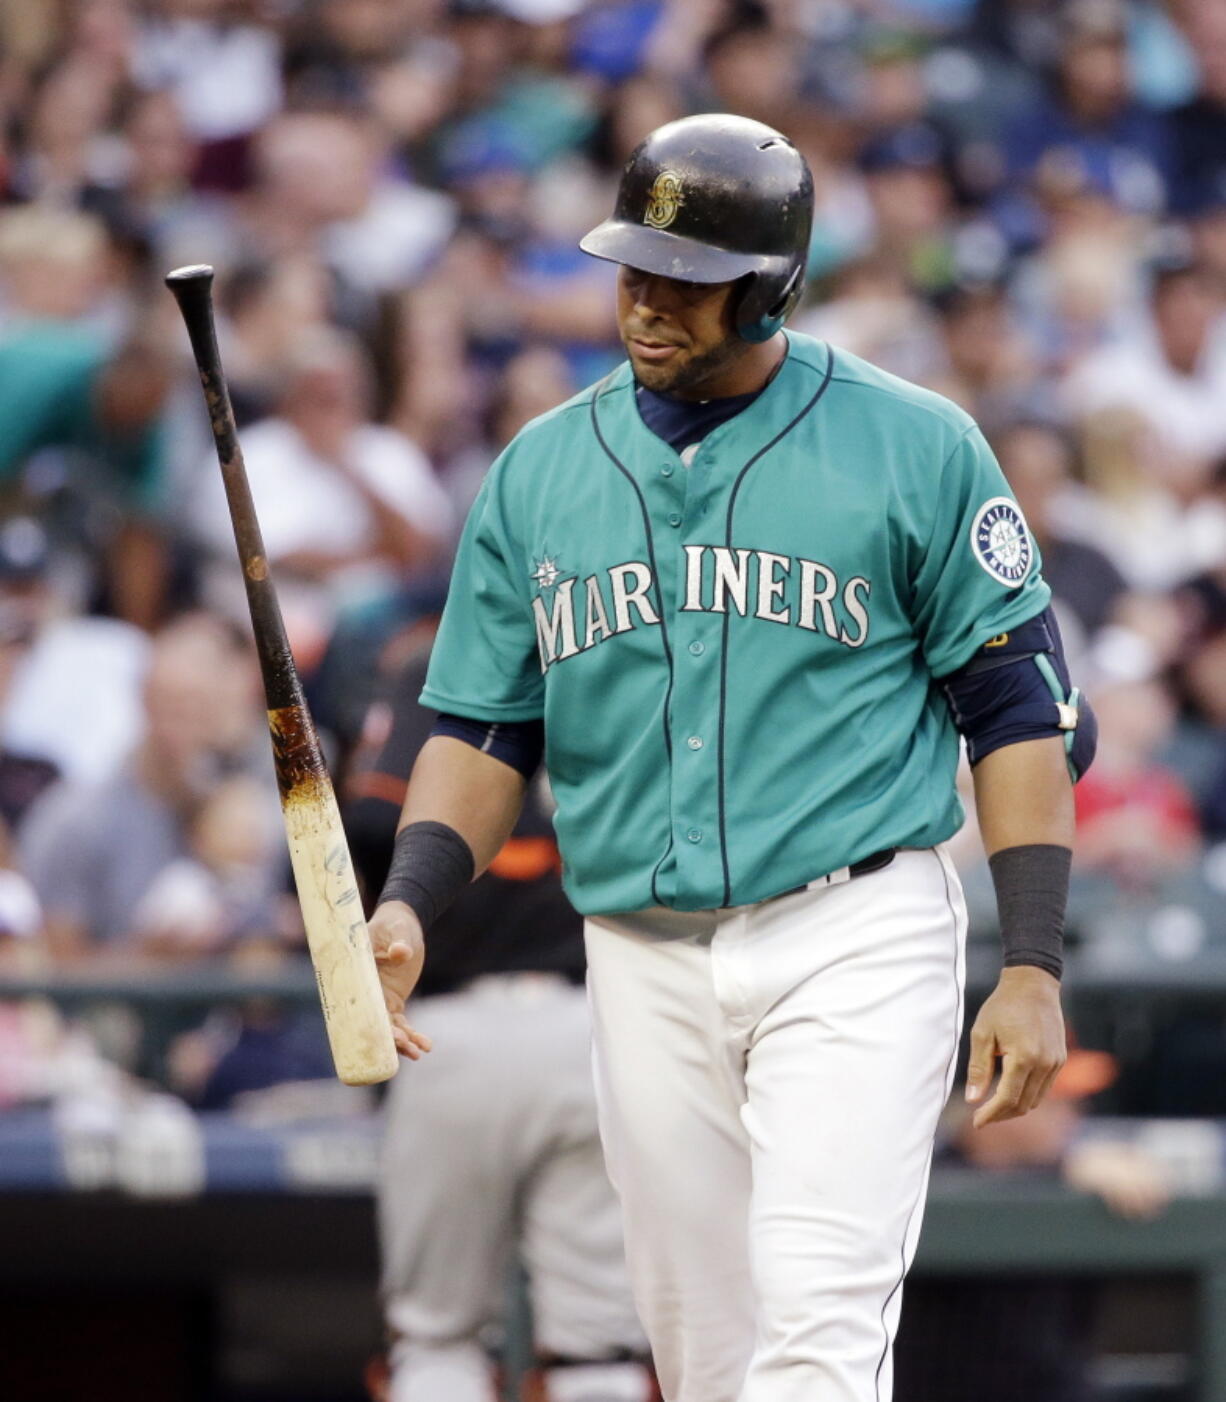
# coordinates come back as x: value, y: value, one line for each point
x: 495, y: 1153
x: 754, y: 588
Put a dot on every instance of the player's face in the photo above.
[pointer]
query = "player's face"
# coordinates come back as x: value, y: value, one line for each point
x: 679, y: 336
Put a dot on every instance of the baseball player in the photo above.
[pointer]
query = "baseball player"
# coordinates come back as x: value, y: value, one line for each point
x: 746, y: 592
x: 497, y: 1148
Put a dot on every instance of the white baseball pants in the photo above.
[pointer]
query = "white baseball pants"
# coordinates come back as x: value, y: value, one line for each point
x: 769, y: 1080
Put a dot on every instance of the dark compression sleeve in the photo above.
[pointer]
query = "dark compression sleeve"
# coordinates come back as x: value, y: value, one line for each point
x: 1017, y: 687
x: 517, y: 743
x: 431, y: 865
x: 1031, y: 893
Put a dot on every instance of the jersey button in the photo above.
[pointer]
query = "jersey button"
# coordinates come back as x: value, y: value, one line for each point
x: 697, y: 649
x: 666, y: 469
x: 695, y: 742
x: 694, y: 835
x: 674, y: 518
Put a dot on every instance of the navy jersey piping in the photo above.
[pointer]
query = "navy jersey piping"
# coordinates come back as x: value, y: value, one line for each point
x: 668, y: 652
x: 723, y: 656
x: 949, y: 1075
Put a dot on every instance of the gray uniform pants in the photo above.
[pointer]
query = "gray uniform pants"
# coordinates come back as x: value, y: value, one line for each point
x: 491, y: 1144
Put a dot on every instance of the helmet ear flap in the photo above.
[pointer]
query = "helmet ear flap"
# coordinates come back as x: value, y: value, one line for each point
x: 767, y: 302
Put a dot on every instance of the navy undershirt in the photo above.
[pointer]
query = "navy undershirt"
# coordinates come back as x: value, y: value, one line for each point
x: 683, y: 422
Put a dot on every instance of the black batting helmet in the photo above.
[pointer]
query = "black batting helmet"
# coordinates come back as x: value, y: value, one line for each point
x: 716, y: 198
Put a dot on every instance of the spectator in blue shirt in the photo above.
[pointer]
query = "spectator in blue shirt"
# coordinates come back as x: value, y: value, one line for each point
x: 1090, y: 126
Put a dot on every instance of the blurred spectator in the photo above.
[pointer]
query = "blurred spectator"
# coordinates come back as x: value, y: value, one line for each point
x: 1081, y: 290
x: 225, y: 75
x: 226, y: 887
x: 267, y: 308
x: 992, y: 371
x: 65, y: 151
x: 535, y: 381
x: 1199, y: 126
x: 1133, y: 518
x: 1172, y: 371
x: 893, y: 91
x: 633, y: 109
x: 336, y: 47
x: 756, y: 67
x: 912, y: 203
x: 1089, y: 127
x: 983, y: 75
x: 1038, y: 460
x: 255, y: 1060
x: 45, y: 709
x: 151, y: 206
x: 23, y: 775
x: 1136, y: 822
x: 346, y: 506
x: 94, y: 850
x: 323, y: 186
x: 872, y: 312
x: 66, y: 385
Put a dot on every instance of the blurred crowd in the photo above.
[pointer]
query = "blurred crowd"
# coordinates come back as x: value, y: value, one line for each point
x: 1020, y: 203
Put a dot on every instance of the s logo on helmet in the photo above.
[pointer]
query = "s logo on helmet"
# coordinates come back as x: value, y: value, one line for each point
x: 664, y: 200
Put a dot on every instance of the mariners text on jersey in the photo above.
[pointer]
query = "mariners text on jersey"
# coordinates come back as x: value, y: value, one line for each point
x: 788, y: 597
x: 757, y: 583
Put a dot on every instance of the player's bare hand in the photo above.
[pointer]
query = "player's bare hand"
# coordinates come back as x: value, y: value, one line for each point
x: 400, y: 951
x: 1022, y: 1025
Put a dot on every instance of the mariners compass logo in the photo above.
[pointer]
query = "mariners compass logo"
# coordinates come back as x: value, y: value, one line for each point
x: 546, y: 572
x: 1001, y: 542
x: 664, y: 200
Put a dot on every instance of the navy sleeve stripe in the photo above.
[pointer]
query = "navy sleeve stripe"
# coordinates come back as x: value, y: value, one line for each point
x: 521, y: 744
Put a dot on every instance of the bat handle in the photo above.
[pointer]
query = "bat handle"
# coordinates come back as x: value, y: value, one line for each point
x: 192, y: 287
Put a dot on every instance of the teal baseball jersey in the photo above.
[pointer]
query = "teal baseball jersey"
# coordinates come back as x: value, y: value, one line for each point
x: 734, y: 657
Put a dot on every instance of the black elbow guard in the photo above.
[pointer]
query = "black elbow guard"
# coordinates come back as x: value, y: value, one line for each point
x: 1017, y: 687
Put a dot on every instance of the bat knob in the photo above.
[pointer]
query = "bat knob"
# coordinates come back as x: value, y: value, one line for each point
x: 192, y: 273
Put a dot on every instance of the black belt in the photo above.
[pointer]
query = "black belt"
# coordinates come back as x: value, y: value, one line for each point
x: 876, y: 862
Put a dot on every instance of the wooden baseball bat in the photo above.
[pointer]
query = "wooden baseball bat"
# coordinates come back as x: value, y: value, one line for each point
x: 358, y: 1027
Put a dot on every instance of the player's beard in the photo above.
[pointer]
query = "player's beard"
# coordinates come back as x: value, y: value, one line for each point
x: 687, y: 379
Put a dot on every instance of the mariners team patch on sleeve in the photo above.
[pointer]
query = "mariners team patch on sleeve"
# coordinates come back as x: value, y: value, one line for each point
x: 1001, y: 541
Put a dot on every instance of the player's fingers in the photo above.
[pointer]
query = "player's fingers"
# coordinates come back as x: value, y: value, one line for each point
x: 404, y: 1045
x: 1032, y: 1091
x: 1046, y: 1085
x: 409, y: 1041
x: 400, y: 1033
x: 1004, y: 1104
x: 982, y: 1062
x: 1043, y: 1063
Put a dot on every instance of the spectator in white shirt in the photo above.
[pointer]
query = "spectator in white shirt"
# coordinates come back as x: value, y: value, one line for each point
x: 1172, y: 372
x: 348, y: 508
x: 326, y: 183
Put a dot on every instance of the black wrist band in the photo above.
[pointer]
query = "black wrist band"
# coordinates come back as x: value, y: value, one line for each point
x: 431, y: 865
x: 1031, y: 894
